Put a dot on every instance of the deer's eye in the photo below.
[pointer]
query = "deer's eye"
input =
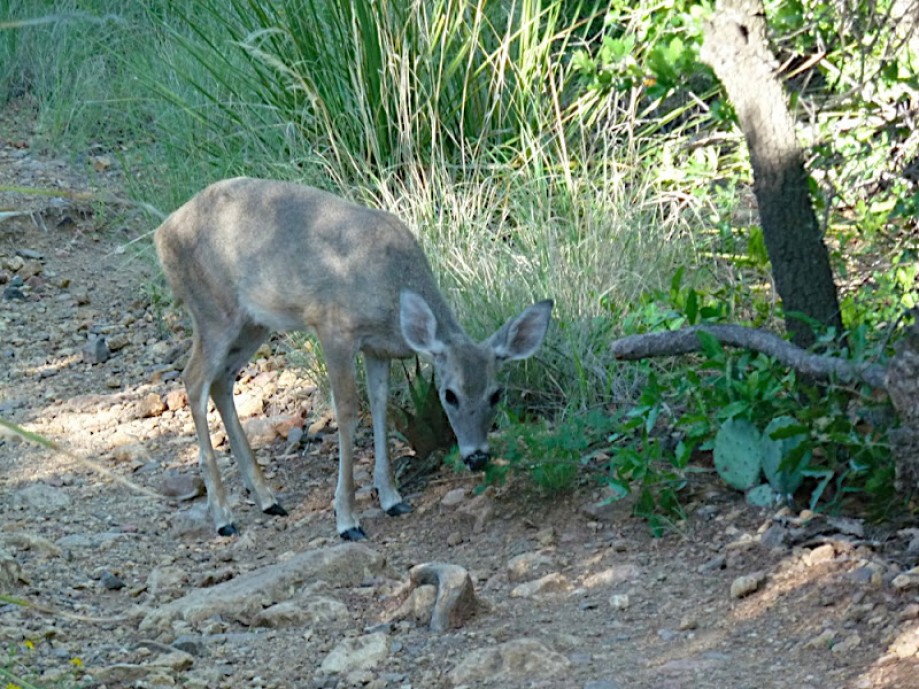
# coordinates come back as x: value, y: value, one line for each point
x: 496, y: 397
x: 451, y: 398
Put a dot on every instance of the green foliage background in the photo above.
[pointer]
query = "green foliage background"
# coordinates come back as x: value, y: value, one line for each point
x: 571, y: 149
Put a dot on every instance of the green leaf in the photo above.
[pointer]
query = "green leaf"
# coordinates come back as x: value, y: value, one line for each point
x: 692, y: 306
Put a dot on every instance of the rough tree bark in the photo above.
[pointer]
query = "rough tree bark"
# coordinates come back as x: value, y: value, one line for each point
x: 735, y: 47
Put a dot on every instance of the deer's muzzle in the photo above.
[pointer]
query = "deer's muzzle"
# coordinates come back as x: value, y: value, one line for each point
x: 477, y: 461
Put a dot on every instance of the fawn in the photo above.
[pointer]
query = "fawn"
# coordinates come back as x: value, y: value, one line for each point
x: 249, y: 256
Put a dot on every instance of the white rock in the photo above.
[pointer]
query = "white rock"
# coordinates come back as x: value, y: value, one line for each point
x: 528, y: 566
x: 509, y: 661
x: 323, y: 610
x: 40, y: 496
x: 361, y: 653
x: 454, y: 497
x: 245, y: 596
x: 549, y: 584
x: 619, y: 601
x: 745, y: 585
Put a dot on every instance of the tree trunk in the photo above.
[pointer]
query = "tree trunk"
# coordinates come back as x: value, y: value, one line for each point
x: 736, y: 49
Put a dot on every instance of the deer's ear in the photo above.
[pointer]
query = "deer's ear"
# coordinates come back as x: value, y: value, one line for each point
x: 522, y: 335
x: 419, y: 327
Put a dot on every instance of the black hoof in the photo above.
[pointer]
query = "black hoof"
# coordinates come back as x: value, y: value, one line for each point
x: 228, y: 530
x: 275, y: 510
x: 355, y: 534
x: 399, y: 508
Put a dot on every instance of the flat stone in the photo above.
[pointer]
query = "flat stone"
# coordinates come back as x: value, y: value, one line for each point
x: 361, y: 653
x: 243, y: 597
x: 40, y: 496
x: 509, y: 661
x: 552, y: 583
x: 528, y: 566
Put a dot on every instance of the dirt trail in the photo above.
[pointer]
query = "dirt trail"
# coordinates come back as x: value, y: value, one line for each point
x: 611, y: 607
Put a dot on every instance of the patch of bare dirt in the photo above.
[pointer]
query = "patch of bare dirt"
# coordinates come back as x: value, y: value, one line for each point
x: 569, y: 596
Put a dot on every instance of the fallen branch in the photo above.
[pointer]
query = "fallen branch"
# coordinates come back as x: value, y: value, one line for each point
x: 686, y: 340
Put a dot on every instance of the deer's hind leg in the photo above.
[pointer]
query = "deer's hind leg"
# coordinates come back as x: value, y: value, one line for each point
x: 248, y: 340
x: 340, y: 353
x: 217, y: 354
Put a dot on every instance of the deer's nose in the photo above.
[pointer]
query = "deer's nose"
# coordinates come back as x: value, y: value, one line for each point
x: 477, y: 461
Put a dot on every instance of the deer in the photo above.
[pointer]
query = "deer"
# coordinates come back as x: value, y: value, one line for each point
x: 248, y: 257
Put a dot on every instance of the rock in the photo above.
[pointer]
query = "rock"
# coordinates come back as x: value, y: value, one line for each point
x: 906, y: 580
x: 820, y: 554
x: 249, y: 404
x: 480, y: 510
x: 619, y: 601
x: 361, y: 653
x: 22, y: 540
x: 319, y: 610
x: 745, y: 585
x: 245, y: 596
x: 150, y: 406
x: 176, y: 399
x: 610, y: 576
x: 118, y: 342
x: 508, y: 662
x: 41, y: 497
x: 529, y: 566
x: 192, y: 522
x: 547, y: 537
x: 260, y: 431
x: 166, y: 578
x: 294, y: 438
x: 601, y: 684
x: 906, y: 644
x: 455, y: 602
x: 418, y: 607
x: 177, y: 660
x: 847, y: 645
x: 120, y: 674
x: 549, y: 584
x: 30, y: 269
x: 12, y: 293
x: 688, y: 623
x: 453, y: 498
x: 190, y: 644
x: 848, y: 526
x: 30, y: 254
x: 111, y: 582
x: 823, y: 640
x: 182, y: 486
x: 96, y: 351
x: 134, y: 454
x: 283, y: 425
x: 454, y: 539
x: 10, y: 572
x: 775, y: 536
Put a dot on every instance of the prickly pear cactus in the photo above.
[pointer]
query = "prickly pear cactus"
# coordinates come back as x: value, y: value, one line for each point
x: 761, y: 496
x: 785, y: 480
x: 738, y: 453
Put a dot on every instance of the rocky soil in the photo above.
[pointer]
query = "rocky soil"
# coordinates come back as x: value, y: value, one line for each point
x: 125, y: 585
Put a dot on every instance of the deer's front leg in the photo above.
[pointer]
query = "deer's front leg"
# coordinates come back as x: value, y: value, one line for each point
x: 340, y: 366
x: 378, y: 392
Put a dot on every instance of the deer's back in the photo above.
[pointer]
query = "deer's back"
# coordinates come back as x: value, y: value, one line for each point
x: 290, y: 256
